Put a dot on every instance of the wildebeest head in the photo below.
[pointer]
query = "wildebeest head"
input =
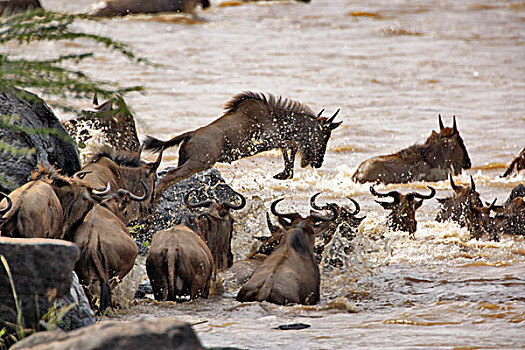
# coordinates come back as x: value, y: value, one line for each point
x: 456, y: 208
x: 447, y: 147
x: 313, y: 223
x: 215, y: 225
x: 403, y: 207
x: 313, y: 148
x: 480, y: 223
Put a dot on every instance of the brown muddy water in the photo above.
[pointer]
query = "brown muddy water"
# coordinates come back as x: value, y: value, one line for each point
x: 392, y: 67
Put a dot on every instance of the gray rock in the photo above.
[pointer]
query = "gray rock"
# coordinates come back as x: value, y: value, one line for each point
x: 28, y: 110
x: 158, y: 334
x: 80, y: 315
x: 41, y: 271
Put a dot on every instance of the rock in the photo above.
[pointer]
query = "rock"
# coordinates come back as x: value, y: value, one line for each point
x: 158, y: 334
x: 9, y: 7
x: 41, y: 271
x: 106, y: 126
x: 171, y: 207
x: 25, y: 109
x: 81, y: 314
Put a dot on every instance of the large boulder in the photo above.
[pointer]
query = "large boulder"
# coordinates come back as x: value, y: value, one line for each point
x: 158, y: 334
x: 40, y: 271
x: 23, y: 109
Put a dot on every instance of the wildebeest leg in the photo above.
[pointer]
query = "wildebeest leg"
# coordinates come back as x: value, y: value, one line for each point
x: 287, y: 173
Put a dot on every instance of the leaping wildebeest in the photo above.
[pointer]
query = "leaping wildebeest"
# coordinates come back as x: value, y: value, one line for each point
x: 182, y: 259
x: 403, y: 208
x: 442, y: 153
x: 253, y: 123
x: 290, y: 275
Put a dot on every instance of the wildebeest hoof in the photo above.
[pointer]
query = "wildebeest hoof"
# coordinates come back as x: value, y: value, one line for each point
x: 283, y: 176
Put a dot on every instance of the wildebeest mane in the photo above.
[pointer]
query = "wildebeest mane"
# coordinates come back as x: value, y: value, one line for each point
x: 274, y: 103
x: 128, y: 159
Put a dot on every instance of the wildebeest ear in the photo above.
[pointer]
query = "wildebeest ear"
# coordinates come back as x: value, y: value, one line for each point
x: 418, y: 204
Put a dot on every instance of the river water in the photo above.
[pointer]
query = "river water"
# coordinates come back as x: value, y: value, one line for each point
x: 392, y: 67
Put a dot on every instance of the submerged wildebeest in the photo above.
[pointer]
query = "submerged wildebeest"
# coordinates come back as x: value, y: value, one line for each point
x: 107, y: 252
x: 403, y: 208
x: 123, y: 170
x: 108, y: 8
x: 253, y: 123
x: 457, y: 207
x: 480, y: 223
x: 517, y: 163
x: 290, y: 274
x: 346, y: 224
x: 441, y: 153
x: 182, y: 259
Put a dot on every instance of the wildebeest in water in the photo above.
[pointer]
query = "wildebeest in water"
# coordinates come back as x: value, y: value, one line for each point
x: 442, y: 153
x: 253, y: 123
x: 109, y: 8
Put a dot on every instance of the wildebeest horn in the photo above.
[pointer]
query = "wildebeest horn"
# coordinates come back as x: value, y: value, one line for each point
x: 290, y: 216
x: 155, y: 165
x: 315, y: 206
x: 9, y: 204
x: 333, y: 117
x: 95, y: 99
x: 82, y: 174
x: 393, y: 194
x: 191, y: 205
x: 102, y: 191
x: 323, y: 218
x: 322, y: 110
x: 454, y: 126
x: 454, y: 187
x: 271, y: 226
x: 144, y: 196
x: 422, y: 196
x: 441, y: 126
x: 491, y: 206
x: 357, y: 207
x: 236, y: 207
x: 472, y: 184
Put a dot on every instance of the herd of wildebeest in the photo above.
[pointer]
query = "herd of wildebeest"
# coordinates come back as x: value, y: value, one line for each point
x: 92, y: 207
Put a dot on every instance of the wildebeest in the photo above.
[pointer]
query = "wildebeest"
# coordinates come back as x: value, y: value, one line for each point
x: 108, y: 8
x: 403, y: 208
x: 457, y: 207
x: 480, y: 223
x: 182, y: 259
x: 107, y: 251
x: 517, y: 163
x: 35, y: 212
x: 442, y: 153
x: 123, y: 170
x: 290, y: 274
x: 346, y: 224
x: 253, y: 123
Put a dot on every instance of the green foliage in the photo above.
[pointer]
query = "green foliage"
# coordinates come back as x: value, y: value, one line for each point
x: 50, y: 76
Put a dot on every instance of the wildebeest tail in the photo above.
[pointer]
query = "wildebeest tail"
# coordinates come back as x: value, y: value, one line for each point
x: 153, y: 144
x: 101, y: 271
x: 174, y: 280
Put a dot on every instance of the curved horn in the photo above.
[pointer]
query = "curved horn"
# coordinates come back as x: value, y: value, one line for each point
x: 191, y: 205
x: 357, y: 207
x: 144, y: 196
x: 322, y: 110
x: 394, y: 194
x: 441, y: 126
x: 236, y: 207
x: 82, y: 174
x: 422, y: 196
x: 271, y: 226
x: 454, y: 126
x: 333, y: 117
x: 9, y: 204
x: 290, y: 216
x: 472, y: 184
x: 332, y: 208
x: 454, y: 186
x: 315, y: 206
x: 155, y: 165
x: 102, y: 191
